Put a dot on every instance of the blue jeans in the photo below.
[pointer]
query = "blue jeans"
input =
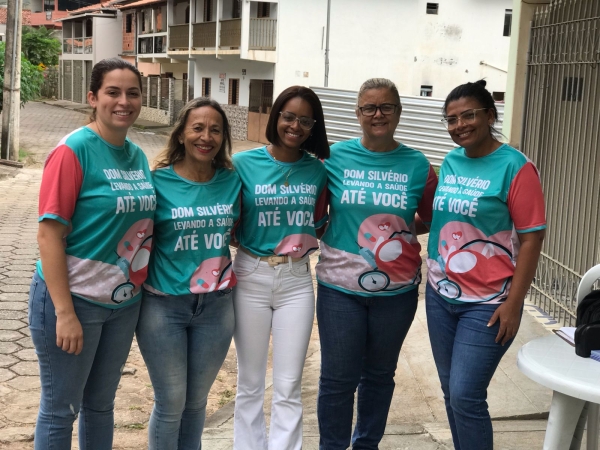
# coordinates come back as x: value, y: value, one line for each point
x: 361, y: 339
x: 83, y: 384
x: 184, y: 340
x: 466, y: 356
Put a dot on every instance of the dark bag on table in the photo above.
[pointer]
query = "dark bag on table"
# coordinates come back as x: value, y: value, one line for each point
x: 587, y: 334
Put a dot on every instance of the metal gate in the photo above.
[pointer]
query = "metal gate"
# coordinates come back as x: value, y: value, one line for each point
x: 561, y: 134
x: 78, y: 81
x: 259, y: 107
x: 88, y: 78
x: 67, y: 80
x: 420, y: 124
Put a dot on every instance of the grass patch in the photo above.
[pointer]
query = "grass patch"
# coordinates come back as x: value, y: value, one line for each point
x: 131, y: 426
x: 135, y: 408
x: 226, y: 396
x: 23, y: 155
x: 436, y: 169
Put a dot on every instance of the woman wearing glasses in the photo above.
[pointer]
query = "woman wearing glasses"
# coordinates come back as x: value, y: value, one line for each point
x: 370, y: 268
x: 283, y: 208
x: 486, y: 235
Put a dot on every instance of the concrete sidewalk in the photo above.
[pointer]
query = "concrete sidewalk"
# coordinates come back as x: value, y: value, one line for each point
x: 417, y: 418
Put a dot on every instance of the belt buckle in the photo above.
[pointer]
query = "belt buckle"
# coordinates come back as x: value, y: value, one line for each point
x: 272, y: 260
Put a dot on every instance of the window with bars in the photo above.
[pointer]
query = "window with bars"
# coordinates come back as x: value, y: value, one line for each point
x: 507, y: 22
x: 208, y: 11
x: 426, y: 90
x: 432, y: 8
x: 234, y: 91
x: 572, y: 89
x: 205, y: 87
x: 236, y: 9
x: 128, y: 23
x: 263, y: 9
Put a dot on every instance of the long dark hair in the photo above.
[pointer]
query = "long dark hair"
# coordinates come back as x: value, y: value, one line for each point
x: 478, y: 92
x: 175, y: 151
x: 317, y: 142
x: 101, y: 68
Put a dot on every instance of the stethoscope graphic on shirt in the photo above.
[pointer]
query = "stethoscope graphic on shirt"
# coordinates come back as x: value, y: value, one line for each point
x: 478, y: 271
x: 391, y: 259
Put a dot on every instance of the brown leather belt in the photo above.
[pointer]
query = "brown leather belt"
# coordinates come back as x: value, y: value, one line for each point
x: 273, y: 260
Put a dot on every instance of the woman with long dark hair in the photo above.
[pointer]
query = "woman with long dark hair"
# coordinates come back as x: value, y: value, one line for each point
x: 283, y: 208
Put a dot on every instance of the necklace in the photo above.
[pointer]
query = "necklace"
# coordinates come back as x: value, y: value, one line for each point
x: 280, y: 167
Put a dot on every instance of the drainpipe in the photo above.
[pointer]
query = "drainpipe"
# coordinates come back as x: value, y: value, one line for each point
x: 327, y: 45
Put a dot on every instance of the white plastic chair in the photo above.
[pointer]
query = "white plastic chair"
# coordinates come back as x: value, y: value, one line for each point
x: 591, y: 410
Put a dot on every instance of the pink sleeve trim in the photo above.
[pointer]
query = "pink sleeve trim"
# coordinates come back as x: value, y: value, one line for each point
x: 61, y: 183
x: 526, y: 199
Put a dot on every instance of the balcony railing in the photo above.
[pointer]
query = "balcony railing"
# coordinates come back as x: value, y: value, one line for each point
x: 231, y: 33
x: 263, y: 34
x: 179, y: 37
x: 78, y: 46
x: 204, y: 35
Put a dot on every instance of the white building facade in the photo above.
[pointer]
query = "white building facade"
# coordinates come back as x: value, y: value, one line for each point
x: 243, y: 52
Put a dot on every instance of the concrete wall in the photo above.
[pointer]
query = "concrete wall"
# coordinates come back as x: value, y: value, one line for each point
x: 108, y: 40
x: 400, y: 41
x: 231, y: 66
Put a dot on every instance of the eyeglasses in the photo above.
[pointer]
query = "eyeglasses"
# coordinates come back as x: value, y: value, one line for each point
x: 305, y: 122
x: 467, y: 118
x: 370, y: 110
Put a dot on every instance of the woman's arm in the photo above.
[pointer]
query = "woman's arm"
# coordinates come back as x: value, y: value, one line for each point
x: 69, y: 334
x: 420, y: 227
x: 509, y: 312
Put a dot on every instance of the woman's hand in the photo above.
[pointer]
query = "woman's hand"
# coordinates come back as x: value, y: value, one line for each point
x: 509, y: 312
x: 509, y: 315
x: 69, y: 334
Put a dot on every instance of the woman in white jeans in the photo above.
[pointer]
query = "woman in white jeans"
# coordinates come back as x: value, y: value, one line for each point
x: 284, y: 205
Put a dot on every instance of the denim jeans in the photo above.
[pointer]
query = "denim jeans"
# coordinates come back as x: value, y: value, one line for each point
x: 361, y: 339
x: 466, y: 356
x: 83, y: 384
x: 184, y: 340
x: 277, y: 301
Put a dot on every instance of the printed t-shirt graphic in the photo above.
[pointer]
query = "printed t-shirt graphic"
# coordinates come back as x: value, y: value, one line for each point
x: 193, y: 225
x: 282, y: 203
x: 370, y: 246
x: 105, y: 195
x: 480, y: 206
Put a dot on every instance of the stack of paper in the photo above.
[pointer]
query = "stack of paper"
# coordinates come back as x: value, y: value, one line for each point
x: 568, y: 335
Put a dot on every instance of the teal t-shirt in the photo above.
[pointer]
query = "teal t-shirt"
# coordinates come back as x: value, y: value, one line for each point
x: 192, y: 230
x: 282, y: 203
x: 480, y: 206
x: 104, y: 194
x: 370, y: 246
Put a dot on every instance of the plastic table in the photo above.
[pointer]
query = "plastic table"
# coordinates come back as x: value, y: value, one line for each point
x: 552, y: 362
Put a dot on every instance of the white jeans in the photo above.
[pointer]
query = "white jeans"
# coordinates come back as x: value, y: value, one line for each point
x: 278, y: 300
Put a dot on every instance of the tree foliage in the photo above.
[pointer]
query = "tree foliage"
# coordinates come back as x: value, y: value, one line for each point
x: 39, y: 46
x: 32, y: 78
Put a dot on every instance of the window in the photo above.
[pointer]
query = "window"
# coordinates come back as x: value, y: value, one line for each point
x: 432, y: 8
x: 208, y: 10
x: 426, y: 90
x: 143, y: 21
x: 128, y: 23
x: 507, y: 22
x: 48, y: 5
x: 236, y: 9
x: 263, y: 9
x: 206, y: 87
x: 498, y: 96
x: 572, y: 89
x: 234, y: 91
